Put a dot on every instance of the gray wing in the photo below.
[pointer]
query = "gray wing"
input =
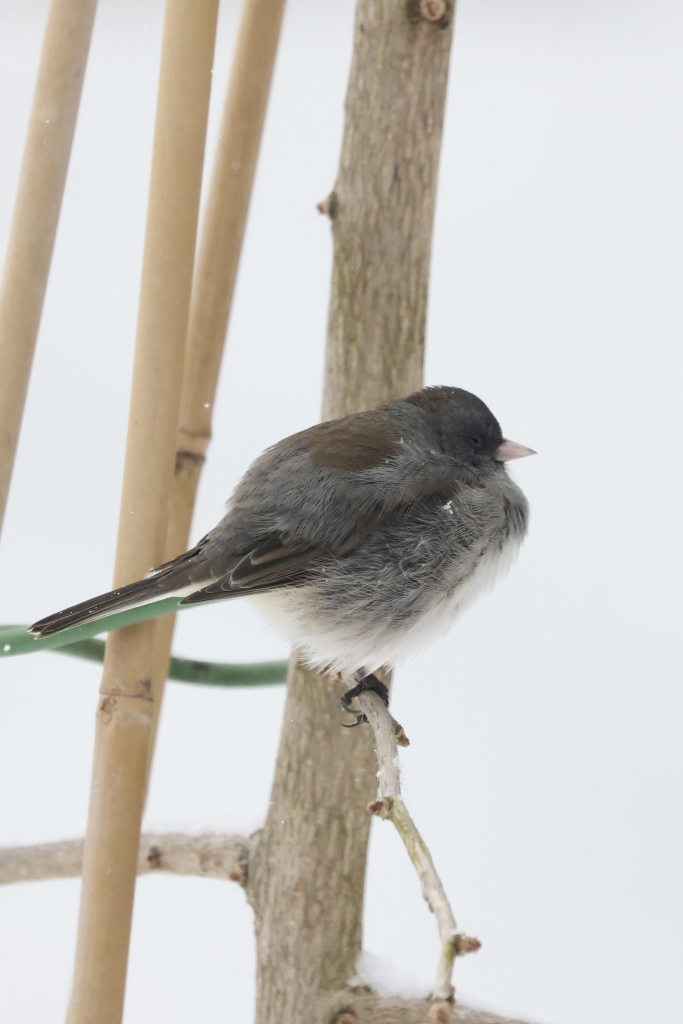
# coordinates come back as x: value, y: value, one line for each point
x: 317, y: 496
x: 271, y: 564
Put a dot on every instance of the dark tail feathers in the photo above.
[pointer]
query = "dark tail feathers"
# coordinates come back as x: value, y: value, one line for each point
x: 104, y: 604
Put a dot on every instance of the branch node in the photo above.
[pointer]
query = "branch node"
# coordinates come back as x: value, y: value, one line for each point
x: 329, y: 206
x: 184, y: 459
x: 381, y: 808
x: 441, y: 1011
x: 465, y: 944
x: 401, y: 738
x: 433, y: 10
x: 154, y: 857
x: 239, y: 875
x: 437, y: 12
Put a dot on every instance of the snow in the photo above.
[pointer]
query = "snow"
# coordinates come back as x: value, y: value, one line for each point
x: 386, y: 980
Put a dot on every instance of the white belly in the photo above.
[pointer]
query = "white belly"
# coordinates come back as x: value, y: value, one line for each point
x: 325, y: 645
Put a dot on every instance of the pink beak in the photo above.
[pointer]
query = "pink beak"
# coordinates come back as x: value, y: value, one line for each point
x: 511, y: 450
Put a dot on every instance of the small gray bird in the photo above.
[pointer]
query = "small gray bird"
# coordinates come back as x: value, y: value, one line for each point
x: 363, y: 537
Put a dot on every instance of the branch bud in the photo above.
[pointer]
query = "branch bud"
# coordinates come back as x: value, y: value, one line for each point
x: 381, y: 808
x: 432, y: 10
x: 437, y: 12
x: 440, y: 1012
x: 465, y: 944
x: 329, y: 206
x: 238, y: 875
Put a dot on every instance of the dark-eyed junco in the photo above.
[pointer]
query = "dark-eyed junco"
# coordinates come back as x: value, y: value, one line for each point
x: 363, y: 537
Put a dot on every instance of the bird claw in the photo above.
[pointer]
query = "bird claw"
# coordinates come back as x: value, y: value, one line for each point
x: 364, y: 684
x: 345, y: 702
x: 360, y: 719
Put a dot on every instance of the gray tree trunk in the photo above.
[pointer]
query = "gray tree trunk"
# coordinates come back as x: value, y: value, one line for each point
x: 307, y: 875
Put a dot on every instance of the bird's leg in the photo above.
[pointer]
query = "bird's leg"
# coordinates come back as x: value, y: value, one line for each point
x: 364, y: 682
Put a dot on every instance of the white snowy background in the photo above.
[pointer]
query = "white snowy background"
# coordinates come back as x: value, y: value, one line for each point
x: 545, y: 762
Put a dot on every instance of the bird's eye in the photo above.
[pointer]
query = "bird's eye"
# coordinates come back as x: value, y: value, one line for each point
x: 475, y: 441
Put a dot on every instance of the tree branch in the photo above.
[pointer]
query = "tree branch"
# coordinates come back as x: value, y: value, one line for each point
x: 207, y: 856
x: 361, y: 1008
x: 227, y: 857
x: 390, y: 806
x: 307, y: 880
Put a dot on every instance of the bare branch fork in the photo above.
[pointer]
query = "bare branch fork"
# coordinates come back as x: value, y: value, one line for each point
x: 227, y: 857
x: 390, y: 806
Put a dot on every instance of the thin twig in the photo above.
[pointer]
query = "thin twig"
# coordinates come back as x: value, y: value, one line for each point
x: 207, y: 856
x: 390, y: 806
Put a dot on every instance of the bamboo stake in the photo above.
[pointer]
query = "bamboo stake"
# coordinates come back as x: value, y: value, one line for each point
x: 216, y: 266
x: 36, y: 212
x: 125, y: 711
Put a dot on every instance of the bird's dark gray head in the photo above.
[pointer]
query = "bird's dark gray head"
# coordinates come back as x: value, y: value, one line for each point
x: 465, y: 427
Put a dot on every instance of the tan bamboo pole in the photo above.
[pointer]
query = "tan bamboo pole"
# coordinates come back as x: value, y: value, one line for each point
x: 36, y: 212
x: 125, y: 709
x: 218, y: 254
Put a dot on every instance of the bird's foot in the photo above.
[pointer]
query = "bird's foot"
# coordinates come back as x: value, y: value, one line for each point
x: 365, y: 683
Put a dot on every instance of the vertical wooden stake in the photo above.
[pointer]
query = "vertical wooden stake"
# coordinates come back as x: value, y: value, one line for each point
x: 36, y: 212
x: 125, y: 712
x: 216, y: 265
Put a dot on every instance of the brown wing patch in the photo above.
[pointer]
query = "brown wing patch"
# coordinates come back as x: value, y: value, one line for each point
x: 271, y: 561
x: 272, y: 564
x: 357, y: 442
